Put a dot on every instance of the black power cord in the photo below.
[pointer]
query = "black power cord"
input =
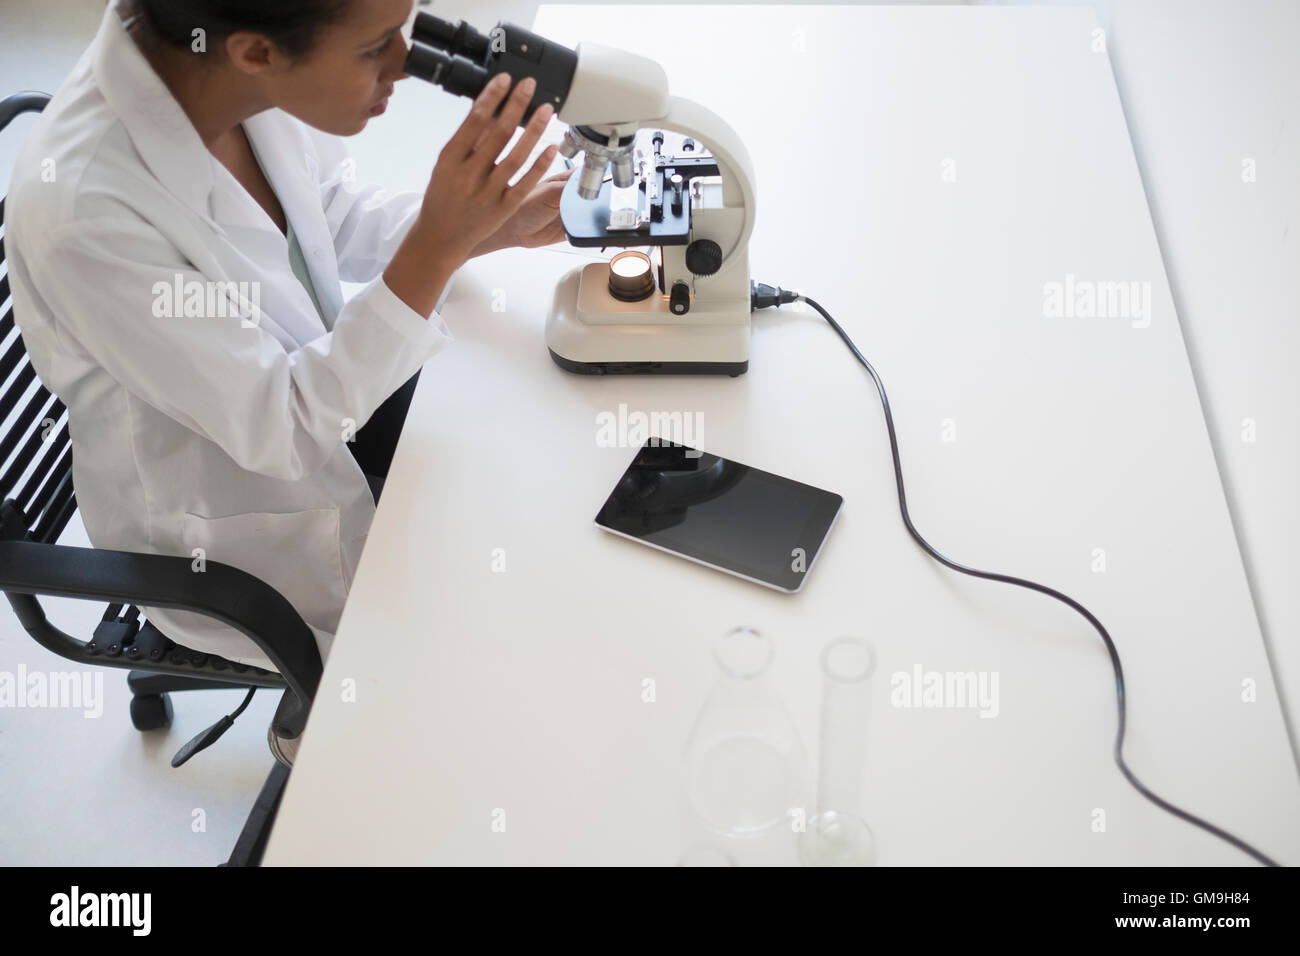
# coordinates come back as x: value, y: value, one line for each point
x: 763, y: 296
x: 207, y: 738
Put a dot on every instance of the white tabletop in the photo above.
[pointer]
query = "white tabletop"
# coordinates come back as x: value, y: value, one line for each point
x: 1208, y: 90
x: 483, y: 696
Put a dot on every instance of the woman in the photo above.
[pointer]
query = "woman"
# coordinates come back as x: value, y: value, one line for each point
x: 179, y: 221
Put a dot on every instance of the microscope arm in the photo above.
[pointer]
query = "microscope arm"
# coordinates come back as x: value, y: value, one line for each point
x: 609, y: 83
x: 690, y: 118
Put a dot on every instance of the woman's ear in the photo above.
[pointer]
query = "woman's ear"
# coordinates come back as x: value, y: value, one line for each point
x: 253, y: 54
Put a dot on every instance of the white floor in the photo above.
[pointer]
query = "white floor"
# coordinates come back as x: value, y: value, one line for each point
x: 1205, y: 84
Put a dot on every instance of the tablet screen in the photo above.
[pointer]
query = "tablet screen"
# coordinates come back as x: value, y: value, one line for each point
x: 721, y: 513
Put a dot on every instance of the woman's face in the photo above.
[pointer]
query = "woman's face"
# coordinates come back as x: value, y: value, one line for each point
x: 348, y: 75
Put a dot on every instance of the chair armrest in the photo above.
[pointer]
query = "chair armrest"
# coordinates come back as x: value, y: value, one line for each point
x: 234, y: 597
x: 23, y: 102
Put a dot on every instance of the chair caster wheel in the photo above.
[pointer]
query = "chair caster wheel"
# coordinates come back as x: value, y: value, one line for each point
x: 151, y: 712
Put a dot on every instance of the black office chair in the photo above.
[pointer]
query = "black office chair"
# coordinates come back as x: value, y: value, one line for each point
x: 38, y: 502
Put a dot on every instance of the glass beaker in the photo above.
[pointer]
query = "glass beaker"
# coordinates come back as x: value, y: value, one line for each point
x: 744, y: 759
x: 837, y: 835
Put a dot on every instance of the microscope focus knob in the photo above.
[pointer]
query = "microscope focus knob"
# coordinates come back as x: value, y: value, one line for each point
x: 679, y: 300
x: 703, y: 257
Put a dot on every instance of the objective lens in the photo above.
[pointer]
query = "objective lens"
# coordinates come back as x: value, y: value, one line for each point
x: 624, y: 174
x: 592, y: 176
x: 631, y: 276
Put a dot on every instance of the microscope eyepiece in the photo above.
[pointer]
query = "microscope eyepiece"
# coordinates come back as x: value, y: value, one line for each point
x: 455, y: 37
x: 461, y: 60
x: 455, y: 74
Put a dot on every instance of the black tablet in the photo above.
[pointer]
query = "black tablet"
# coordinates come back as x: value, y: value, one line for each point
x: 720, y: 513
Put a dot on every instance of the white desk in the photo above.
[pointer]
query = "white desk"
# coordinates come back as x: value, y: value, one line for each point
x: 1206, y: 87
x: 521, y: 691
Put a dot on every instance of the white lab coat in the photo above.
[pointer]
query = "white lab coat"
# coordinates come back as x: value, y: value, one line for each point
x: 225, y: 434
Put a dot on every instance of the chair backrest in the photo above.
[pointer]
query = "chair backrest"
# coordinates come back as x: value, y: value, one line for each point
x: 35, y: 450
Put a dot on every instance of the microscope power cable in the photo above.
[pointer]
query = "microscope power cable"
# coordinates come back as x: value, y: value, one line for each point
x: 764, y: 296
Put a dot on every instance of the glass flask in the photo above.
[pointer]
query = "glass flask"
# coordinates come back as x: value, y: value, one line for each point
x: 837, y: 835
x: 703, y: 855
x: 744, y: 761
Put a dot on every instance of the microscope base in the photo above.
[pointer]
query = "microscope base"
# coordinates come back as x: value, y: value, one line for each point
x: 644, y: 368
x: 615, y: 343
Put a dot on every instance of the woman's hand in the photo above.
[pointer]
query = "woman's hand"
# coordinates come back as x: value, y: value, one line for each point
x: 469, y: 197
x: 535, y: 223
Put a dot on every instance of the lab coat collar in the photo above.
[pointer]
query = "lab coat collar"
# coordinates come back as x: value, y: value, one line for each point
x: 287, y: 158
x: 283, y: 153
x: 159, y: 128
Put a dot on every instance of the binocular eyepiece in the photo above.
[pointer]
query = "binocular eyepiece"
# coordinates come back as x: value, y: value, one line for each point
x: 461, y: 60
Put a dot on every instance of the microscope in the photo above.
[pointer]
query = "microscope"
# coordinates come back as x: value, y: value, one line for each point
x: 684, y: 307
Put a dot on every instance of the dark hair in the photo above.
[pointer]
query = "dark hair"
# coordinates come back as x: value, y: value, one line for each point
x: 290, y: 24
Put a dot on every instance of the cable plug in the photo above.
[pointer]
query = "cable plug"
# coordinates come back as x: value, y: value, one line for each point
x: 764, y: 296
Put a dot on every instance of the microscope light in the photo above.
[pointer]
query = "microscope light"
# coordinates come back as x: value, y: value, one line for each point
x: 631, y: 277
